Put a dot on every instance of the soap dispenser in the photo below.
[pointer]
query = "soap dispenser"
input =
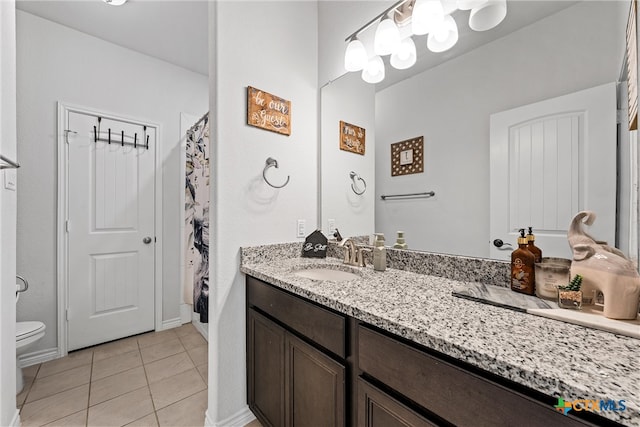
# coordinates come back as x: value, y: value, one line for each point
x: 522, y: 267
x: 379, y: 253
x: 536, y: 251
x: 400, y: 242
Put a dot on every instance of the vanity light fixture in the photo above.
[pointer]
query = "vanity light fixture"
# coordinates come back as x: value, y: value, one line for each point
x: 115, y: 2
x: 431, y: 17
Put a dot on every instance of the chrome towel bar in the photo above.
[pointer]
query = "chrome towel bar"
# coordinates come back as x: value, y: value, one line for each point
x: 409, y: 195
x: 9, y: 164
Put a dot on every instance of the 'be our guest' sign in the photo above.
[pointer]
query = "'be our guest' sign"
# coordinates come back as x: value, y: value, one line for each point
x: 315, y: 245
x: 352, y: 138
x: 268, y: 111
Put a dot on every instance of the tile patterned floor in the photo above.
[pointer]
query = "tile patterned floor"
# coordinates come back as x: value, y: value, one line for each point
x: 154, y: 379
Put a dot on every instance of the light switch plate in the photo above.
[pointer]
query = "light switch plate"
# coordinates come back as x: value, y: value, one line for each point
x: 331, y: 225
x: 10, y: 180
x: 301, y: 228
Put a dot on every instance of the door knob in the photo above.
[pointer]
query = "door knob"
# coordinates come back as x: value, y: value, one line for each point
x: 146, y: 240
x: 498, y: 243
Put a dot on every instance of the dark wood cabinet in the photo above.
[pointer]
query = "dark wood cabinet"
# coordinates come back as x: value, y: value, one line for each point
x: 308, y: 365
x: 290, y: 382
x: 265, y: 373
x: 378, y: 409
x: 315, y: 386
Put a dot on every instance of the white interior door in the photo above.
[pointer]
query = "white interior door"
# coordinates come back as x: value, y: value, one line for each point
x: 550, y: 160
x: 111, y: 234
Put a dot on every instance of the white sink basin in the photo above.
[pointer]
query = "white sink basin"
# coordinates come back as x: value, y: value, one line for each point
x: 323, y: 273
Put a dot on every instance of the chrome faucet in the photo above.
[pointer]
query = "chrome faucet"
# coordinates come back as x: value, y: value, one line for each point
x: 352, y: 253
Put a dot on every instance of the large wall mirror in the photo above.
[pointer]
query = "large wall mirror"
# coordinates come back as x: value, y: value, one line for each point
x: 556, y: 158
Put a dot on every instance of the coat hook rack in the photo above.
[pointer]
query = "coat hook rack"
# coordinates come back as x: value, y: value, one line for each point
x: 271, y: 162
x: 355, y: 177
x: 124, y: 139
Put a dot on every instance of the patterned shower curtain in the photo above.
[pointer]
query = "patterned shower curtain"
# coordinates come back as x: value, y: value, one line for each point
x: 197, y: 220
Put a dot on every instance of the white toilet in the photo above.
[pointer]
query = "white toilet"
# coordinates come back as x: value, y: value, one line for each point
x: 27, y: 334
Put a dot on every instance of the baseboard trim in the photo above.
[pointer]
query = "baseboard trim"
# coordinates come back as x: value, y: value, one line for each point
x: 15, y: 422
x: 239, y: 419
x: 203, y: 328
x: 39, y: 356
x: 185, y: 313
x: 176, y: 322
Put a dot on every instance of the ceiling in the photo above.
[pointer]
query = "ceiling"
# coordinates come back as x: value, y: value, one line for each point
x: 176, y: 31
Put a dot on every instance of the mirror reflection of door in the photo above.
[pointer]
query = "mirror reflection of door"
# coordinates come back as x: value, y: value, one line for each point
x: 550, y: 160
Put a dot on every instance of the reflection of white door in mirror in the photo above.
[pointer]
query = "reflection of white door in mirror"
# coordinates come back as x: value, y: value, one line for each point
x: 550, y: 160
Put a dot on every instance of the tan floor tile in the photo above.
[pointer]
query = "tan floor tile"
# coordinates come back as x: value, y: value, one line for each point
x: 185, y: 329
x: 55, y: 407
x: 185, y: 413
x: 153, y: 338
x: 47, y: 386
x: 73, y: 360
x: 254, y: 423
x: 199, y: 355
x: 164, y: 368
x: 114, y: 365
x: 29, y: 374
x: 204, y: 372
x: 193, y: 340
x: 176, y: 387
x: 149, y: 421
x: 116, y: 385
x: 162, y: 350
x: 115, y: 348
x: 121, y: 410
x: 79, y: 419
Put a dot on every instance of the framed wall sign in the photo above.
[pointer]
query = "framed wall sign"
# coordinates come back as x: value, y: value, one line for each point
x: 352, y: 138
x: 267, y: 111
x: 407, y: 156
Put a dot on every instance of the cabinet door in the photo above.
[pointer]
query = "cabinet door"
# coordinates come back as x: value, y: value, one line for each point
x: 315, y: 389
x: 265, y: 369
x: 378, y: 409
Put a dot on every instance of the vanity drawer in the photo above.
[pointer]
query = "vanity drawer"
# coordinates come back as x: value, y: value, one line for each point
x: 454, y: 394
x: 314, y: 322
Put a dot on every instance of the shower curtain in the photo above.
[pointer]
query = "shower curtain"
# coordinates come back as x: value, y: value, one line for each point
x: 197, y: 219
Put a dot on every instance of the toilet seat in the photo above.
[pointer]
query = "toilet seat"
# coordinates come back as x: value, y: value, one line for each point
x: 25, y: 330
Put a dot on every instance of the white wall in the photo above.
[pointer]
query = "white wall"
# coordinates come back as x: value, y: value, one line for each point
x: 352, y: 100
x: 580, y: 47
x: 271, y: 46
x: 56, y: 63
x: 8, y: 411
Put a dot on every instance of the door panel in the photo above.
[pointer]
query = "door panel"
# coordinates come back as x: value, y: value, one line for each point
x: 550, y: 160
x: 111, y: 210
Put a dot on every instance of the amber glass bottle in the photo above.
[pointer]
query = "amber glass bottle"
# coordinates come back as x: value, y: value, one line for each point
x: 536, y: 251
x: 522, y: 267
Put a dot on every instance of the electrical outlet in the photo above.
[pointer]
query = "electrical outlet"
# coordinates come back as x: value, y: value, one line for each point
x: 331, y: 225
x: 10, y: 179
x: 302, y: 224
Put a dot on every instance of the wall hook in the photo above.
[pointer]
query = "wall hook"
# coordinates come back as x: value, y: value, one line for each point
x: 354, y: 176
x: 269, y: 163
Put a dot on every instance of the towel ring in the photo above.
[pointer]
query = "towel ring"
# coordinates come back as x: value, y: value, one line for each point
x: 272, y: 162
x: 353, y: 177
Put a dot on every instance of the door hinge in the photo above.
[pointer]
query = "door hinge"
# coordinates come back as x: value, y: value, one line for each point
x: 66, y: 226
x: 620, y: 116
x: 66, y: 314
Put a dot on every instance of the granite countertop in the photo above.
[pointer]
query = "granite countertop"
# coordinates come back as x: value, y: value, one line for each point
x: 552, y: 357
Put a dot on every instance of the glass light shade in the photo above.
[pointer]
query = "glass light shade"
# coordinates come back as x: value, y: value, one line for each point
x: 374, y: 71
x: 355, y: 57
x: 426, y: 15
x: 405, y: 56
x: 488, y: 15
x: 444, y: 37
x: 115, y: 2
x: 387, y: 38
x: 470, y: 4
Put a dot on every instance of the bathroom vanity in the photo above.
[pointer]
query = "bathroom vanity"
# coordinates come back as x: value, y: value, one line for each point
x: 396, y: 348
